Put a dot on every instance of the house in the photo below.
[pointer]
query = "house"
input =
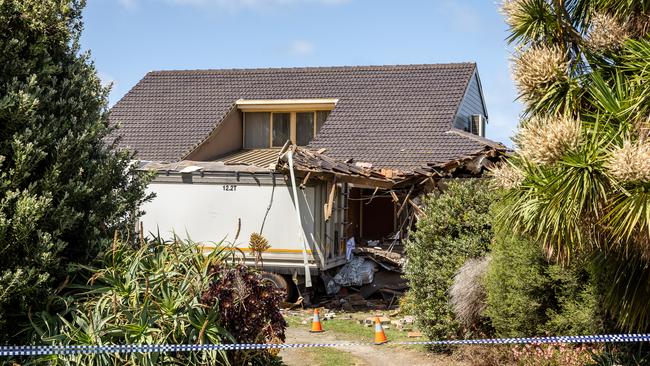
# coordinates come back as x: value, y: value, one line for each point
x: 365, y: 142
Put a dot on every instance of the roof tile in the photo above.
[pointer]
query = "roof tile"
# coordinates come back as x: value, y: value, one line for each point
x: 391, y: 116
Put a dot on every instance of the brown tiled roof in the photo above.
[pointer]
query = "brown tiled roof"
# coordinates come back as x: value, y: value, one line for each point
x: 391, y: 116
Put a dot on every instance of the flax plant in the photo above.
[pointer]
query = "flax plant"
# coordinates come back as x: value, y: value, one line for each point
x: 578, y: 181
x: 148, y: 295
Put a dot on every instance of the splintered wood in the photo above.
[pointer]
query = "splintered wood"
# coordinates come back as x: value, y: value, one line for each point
x: 315, y: 164
x: 331, y: 186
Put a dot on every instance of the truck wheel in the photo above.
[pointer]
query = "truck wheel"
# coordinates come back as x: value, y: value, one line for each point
x: 281, y: 283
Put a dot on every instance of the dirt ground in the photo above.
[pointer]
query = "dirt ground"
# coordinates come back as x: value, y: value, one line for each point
x: 357, y: 355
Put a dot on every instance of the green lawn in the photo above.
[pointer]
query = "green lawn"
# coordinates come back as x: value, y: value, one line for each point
x: 328, y: 357
x: 350, y: 329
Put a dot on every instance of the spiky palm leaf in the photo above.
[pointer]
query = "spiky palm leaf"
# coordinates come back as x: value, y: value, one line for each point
x: 577, y: 205
x: 149, y: 295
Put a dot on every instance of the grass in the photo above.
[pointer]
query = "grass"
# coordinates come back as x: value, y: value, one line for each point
x: 328, y: 356
x: 352, y: 330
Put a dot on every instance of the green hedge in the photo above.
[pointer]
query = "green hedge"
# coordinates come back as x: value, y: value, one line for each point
x: 530, y: 296
x: 456, y: 227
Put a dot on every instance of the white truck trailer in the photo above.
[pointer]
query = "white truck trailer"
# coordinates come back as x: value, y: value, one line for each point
x: 211, y: 202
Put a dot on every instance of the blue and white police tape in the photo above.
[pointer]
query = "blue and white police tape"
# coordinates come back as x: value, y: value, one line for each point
x: 163, y: 348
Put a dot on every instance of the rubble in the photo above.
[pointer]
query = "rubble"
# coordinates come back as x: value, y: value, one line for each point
x: 405, y: 324
x: 370, y: 321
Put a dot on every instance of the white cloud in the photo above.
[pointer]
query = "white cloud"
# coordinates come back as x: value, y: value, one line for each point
x: 129, y: 4
x: 301, y: 48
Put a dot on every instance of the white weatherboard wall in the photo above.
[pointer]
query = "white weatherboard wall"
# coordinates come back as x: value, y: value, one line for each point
x: 209, y: 213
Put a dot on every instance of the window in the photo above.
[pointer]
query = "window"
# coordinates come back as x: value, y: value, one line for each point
x: 257, y: 130
x: 462, y: 123
x: 273, y: 129
x: 281, y: 128
x: 304, y: 127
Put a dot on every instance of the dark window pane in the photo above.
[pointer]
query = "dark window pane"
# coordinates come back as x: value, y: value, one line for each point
x: 304, y: 127
x: 281, y: 128
x: 256, y: 130
x: 321, y: 117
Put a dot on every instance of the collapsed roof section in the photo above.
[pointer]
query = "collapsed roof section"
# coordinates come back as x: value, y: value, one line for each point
x: 310, y: 164
x: 316, y: 164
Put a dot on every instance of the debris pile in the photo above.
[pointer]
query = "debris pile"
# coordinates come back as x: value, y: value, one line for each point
x: 371, y: 279
x: 356, y: 272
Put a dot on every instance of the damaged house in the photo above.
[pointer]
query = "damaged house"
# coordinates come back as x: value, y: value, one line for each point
x: 307, y: 157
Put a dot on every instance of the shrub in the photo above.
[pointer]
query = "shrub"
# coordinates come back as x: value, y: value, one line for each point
x: 528, y: 295
x: 248, y: 307
x: 456, y: 226
x: 468, y: 294
x: 147, y: 295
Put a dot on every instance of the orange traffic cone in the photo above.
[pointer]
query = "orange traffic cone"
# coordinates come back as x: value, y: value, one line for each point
x: 316, y: 326
x: 380, y: 337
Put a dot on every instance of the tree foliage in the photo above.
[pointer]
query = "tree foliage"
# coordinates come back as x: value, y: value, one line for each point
x: 63, y: 189
x: 528, y: 295
x: 578, y: 182
x: 456, y: 226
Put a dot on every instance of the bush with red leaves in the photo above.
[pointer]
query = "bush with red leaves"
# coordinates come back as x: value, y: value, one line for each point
x: 249, y: 308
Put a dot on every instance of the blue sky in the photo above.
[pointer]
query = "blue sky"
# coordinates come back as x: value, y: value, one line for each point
x: 128, y: 38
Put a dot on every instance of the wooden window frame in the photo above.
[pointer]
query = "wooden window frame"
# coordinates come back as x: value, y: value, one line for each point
x: 292, y: 123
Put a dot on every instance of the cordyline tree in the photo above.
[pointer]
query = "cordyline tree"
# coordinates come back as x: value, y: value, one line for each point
x: 63, y: 191
x: 579, y: 181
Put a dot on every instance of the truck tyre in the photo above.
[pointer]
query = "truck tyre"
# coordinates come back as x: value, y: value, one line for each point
x: 282, y: 283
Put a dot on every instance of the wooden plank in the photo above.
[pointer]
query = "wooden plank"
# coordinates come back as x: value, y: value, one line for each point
x: 388, y: 173
x: 305, y: 180
x: 417, y: 209
x: 330, y: 199
x: 408, y: 195
x: 366, y: 182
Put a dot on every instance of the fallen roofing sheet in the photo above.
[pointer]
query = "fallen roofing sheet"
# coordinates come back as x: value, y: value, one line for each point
x: 259, y: 157
x: 189, y: 166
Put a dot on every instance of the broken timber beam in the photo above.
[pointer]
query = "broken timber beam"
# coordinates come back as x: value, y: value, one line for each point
x: 305, y: 180
x: 367, y: 182
x: 417, y: 208
x: 408, y: 195
x: 330, y: 199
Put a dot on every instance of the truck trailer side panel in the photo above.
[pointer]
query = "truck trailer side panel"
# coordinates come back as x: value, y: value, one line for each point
x: 207, y: 210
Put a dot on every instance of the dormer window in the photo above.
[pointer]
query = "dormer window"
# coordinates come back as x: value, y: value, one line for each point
x: 270, y: 123
x: 273, y: 129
